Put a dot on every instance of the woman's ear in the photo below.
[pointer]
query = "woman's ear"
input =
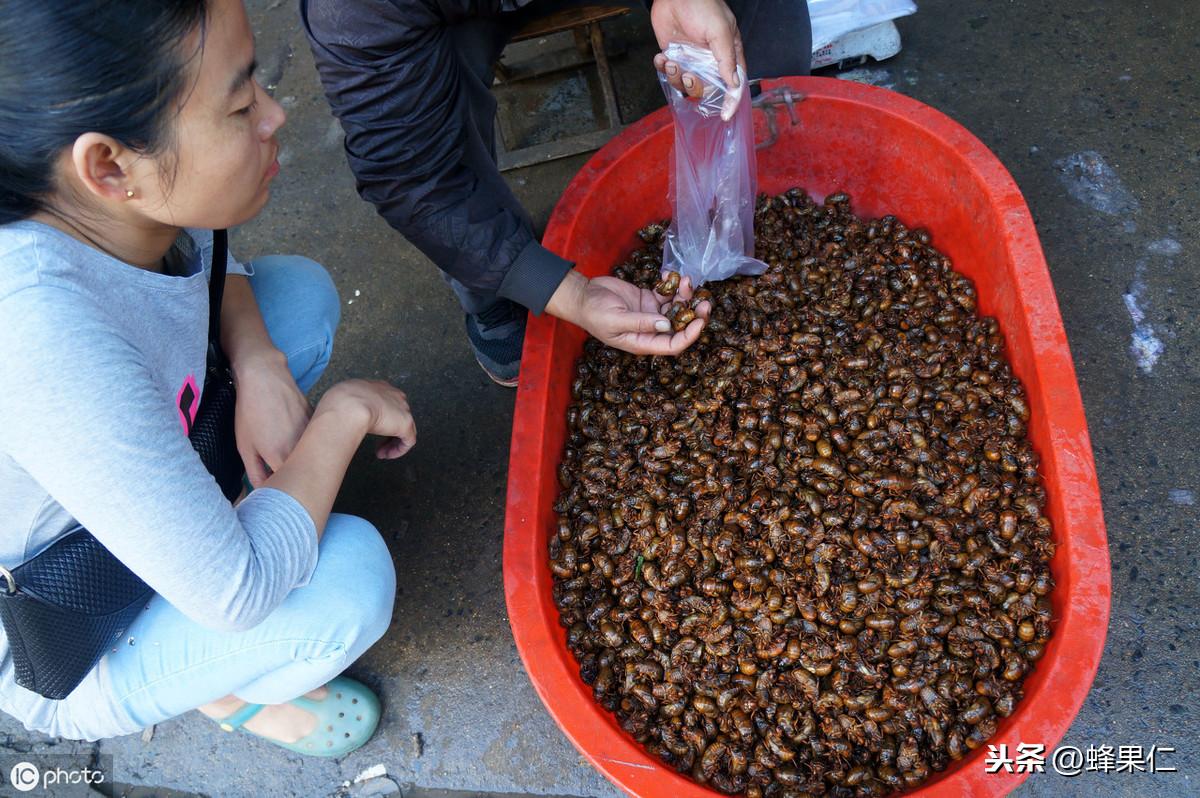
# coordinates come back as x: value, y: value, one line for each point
x: 96, y: 162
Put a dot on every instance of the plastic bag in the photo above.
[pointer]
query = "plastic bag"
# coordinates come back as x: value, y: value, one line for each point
x: 832, y: 19
x: 714, y: 176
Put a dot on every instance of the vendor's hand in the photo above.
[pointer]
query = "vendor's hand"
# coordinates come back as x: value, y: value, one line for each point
x: 705, y: 23
x: 386, y: 413
x: 624, y: 316
x: 270, y: 415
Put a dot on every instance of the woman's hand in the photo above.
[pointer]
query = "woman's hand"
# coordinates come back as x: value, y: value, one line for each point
x: 705, y: 23
x: 624, y: 316
x: 380, y: 408
x: 271, y: 413
x: 346, y: 413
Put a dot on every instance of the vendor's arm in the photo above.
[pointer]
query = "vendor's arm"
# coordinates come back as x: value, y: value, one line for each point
x: 394, y: 80
x: 624, y: 316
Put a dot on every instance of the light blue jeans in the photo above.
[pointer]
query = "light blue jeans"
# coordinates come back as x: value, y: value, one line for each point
x: 168, y: 664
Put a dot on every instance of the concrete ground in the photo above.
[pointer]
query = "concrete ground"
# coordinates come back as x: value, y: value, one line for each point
x: 1093, y: 107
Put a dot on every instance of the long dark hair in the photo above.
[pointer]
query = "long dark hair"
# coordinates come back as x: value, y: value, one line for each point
x: 69, y: 67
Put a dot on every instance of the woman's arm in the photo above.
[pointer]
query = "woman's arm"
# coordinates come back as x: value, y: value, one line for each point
x: 346, y: 414
x: 82, y: 412
x: 271, y: 411
x: 243, y: 335
x: 307, y: 459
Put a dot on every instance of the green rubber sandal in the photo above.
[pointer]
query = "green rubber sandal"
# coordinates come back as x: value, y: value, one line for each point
x: 346, y: 718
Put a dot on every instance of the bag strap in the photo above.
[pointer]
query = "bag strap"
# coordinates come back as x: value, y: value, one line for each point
x: 216, y: 290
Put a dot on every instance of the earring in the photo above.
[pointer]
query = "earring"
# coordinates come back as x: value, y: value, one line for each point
x: 129, y: 193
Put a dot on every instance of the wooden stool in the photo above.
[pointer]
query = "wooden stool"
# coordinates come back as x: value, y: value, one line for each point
x: 584, y: 24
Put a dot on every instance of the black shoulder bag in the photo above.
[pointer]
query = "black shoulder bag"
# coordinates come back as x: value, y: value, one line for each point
x: 63, y: 608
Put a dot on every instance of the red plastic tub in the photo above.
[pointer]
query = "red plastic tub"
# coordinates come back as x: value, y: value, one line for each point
x: 893, y: 155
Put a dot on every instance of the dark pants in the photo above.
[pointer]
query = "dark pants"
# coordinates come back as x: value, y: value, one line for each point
x: 776, y: 36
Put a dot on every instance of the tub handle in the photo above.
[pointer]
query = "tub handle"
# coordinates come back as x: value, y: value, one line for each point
x: 770, y: 101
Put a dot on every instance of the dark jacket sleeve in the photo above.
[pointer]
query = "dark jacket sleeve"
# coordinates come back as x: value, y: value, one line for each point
x: 394, y: 80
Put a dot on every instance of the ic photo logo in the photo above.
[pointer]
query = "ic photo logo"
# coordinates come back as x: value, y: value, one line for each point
x: 76, y: 774
x: 24, y: 776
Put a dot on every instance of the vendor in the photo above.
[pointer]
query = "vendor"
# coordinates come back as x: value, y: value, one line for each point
x: 410, y: 81
x: 128, y: 132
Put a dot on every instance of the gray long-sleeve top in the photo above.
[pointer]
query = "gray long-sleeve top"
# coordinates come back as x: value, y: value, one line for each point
x: 94, y: 358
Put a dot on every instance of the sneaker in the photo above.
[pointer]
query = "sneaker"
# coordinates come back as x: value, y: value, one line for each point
x: 497, y: 335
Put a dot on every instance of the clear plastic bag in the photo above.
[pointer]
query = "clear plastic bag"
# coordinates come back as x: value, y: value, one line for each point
x: 714, y: 178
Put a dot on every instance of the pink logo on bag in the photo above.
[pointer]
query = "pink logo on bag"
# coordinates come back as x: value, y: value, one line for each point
x: 188, y: 402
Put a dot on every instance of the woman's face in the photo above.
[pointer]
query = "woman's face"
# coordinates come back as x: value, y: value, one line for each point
x: 217, y: 168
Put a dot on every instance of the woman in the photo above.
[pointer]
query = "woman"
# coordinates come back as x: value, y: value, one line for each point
x: 123, y: 126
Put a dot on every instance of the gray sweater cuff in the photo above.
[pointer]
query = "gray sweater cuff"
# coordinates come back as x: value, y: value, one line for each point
x: 534, y: 277
x: 281, y: 523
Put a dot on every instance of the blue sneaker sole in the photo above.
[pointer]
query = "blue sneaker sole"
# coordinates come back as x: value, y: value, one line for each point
x: 506, y: 383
